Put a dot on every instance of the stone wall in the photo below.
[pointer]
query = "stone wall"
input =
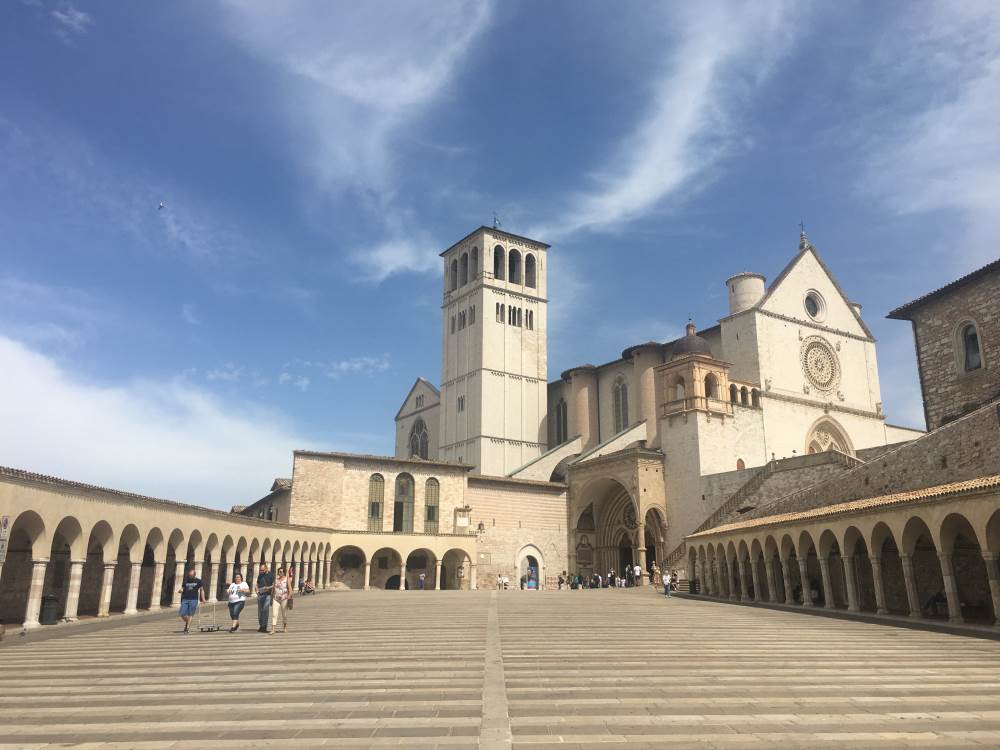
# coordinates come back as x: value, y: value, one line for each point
x: 948, y: 390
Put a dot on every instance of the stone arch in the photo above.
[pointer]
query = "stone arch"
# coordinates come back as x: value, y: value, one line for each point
x: 790, y: 570
x: 28, y: 545
x: 712, y: 386
x: 130, y: 551
x: 152, y: 557
x: 456, y: 570
x: 830, y: 551
x: 722, y: 571
x: 857, y: 564
x: 760, y: 567
x: 386, y: 569
x: 530, y: 274
x: 421, y: 561
x: 348, y: 568
x: 67, y: 550
x: 499, y: 266
x: 655, y: 540
x: 463, y: 270
x: 827, y: 434
x: 523, y: 564
x: 920, y: 546
x: 613, y: 511
x: 514, y: 266
x: 962, y: 548
x: 772, y: 554
x: 733, y: 570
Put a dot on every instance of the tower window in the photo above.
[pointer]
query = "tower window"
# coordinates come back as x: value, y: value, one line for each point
x: 514, y: 266
x: 461, y: 403
x: 562, y: 427
x: 972, y: 356
x: 454, y: 275
x: 472, y: 315
x: 463, y: 270
x: 452, y: 323
x: 474, y: 264
x: 501, y: 311
x: 498, y: 264
x: 520, y: 317
x: 529, y: 270
x: 420, y: 401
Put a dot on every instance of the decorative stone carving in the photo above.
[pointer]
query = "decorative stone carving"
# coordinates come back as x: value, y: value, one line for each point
x: 820, y: 363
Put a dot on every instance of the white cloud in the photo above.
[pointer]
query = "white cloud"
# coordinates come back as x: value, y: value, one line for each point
x: 356, y: 366
x: 944, y: 154
x: 52, y: 316
x: 298, y: 381
x: 377, y: 263
x: 189, y: 313
x: 718, y: 53
x: 71, y: 22
x: 359, y: 74
x: 163, y: 438
x: 230, y: 372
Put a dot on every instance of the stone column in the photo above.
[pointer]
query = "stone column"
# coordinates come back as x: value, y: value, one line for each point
x: 910, y: 579
x: 755, y: 577
x: 212, y: 589
x: 437, y: 575
x: 733, y: 596
x: 824, y: 570
x: 880, y: 608
x: 34, y: 607
x: 402, y: 576
x: 135, y: 572
x: 786, y: 579
x: 744, y: 590
x: 852, y: 589
x: 950, y: 589
x: 73, y: 590
x: 807, y: 600
x: 248, y: 577
x: 175, y: 595
x: 368, y: 575
x: 642, y: 559
x: 772, y: 588
x: 322, y: 573
x: 473, y: 583
x: 993, y: 573
x: 104, y: 607
x: 157, y: 595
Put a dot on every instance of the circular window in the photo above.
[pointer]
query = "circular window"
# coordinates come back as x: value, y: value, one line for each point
x: 815, y: 305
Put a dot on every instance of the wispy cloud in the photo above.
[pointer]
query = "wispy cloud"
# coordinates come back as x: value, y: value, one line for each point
x: 394, y: 256
x: 230, y: 372
x: 298, y: 381
x: 719, y: 52
x: 71, y: 22
x: 165, y: 438
x: 944, y: 153
x: 52, y: 316
x: 356, y: 366
x: 189, y: 313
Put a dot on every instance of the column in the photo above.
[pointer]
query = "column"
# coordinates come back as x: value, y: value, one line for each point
x: 950, y: 589
x: 880, y: 608
x: 824, y: 570
x: 104, y: 607
x: 804, y: 582
x: 135, y: 571
x: 852, y: 588
x: 437, y: 575
x: 473, y: 582
x: 786, y: 579
x: 910, y: 579
x: 993, y: 573
x: 249, y: 578
x: 157, y: 595
x: 744, y: 591
x: 212, y: 587
x: 772, y: 588
x: 714, y: 578
x: 368, y: 575
x: 733, y: 596
x: 755, y: 577
x: 402, y: 576
x: 642, y: 560
x: 322, y: 573
x: 175, y: 595
x: 73, y: 590
x: 35, y: 594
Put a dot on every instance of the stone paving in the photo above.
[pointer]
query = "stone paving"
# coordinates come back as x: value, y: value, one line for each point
x: 487, y: 669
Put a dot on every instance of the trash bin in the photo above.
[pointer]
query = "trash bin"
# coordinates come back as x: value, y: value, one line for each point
x: 50, y: 610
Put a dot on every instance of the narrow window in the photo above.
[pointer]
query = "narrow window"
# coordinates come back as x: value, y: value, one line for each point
x: 562, y: 431
x: 620, y: 398
x: 680, y: 389
x: 498, y: 264
x: 520, y: 316
x: 755, y: 398
x: 529, y: 270
x: 499, y: 319
x: 740, y: 466
x: 376, y: 495
x: 402, y: 511
x: 711, y: 387
x: 418, y: 439
x: 463, y: 270
x: 744, y: 396
x: 432, y: 499
x: 474, y: 264
x: 502, y: 312
x: 454, y: 275
x: 472, y: 315
x: 973, y: 358
x: 734, y: 397
x: 452, y: 323
x: 514, y: 266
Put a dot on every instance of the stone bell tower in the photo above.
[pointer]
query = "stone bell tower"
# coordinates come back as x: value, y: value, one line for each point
x: 494, y: 351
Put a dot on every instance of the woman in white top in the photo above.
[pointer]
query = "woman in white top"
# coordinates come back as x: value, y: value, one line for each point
x: 281, y: 602
x: 238, y: 592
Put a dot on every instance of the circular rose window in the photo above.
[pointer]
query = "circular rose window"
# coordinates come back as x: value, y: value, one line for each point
x: 815, y: 305
x: 819, y: 363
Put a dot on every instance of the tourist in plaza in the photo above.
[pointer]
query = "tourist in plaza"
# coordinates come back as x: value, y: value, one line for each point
x: 238, y: 591
x: 281, y: 601
x: 422, y: 581
x: 192, y: 592
x: 638, y: 575
x: 265, y: 593
x: 667, y: 580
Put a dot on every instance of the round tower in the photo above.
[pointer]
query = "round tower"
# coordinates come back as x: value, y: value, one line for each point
x: 745, y: 290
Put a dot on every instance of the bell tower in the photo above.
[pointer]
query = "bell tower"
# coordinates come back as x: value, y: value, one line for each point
x: 494, y: 351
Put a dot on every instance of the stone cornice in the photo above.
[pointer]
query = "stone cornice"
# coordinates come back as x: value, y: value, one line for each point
x: 812, y: 325
x: 826, y: 405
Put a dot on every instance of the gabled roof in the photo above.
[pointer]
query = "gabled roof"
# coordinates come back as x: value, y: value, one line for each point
x: 413, y: 387
x: 495, y: 231
x: 902, y: 312
x: 805, y: 246
x: 281, y: 483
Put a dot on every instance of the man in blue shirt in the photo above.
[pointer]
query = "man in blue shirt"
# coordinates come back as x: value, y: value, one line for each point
x: 192, y: 592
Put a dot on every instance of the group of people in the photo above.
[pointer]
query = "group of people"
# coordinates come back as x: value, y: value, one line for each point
x: 274, y: 598
x: 631, y: 576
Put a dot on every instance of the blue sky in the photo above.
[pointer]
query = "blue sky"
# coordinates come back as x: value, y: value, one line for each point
x: 315, y: 159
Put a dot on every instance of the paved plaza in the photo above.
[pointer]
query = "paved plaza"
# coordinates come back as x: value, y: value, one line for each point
x: 569, y: 669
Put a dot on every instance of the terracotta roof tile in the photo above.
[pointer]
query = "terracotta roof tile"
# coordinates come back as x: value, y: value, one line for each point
x: 856, y: 506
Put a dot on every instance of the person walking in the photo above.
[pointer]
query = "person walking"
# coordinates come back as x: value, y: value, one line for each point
x: 281, y: 601
x: 265, y: 594
x: 638, y: 575
x: 422, y: 581
x: 667, y: 580
x: 238, y: 591
x: 192, y: 592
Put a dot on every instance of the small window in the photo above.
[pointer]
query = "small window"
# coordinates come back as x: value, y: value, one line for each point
x: 452, y: 323
x: 463, y: 270
x: 529, y: 270
x: 474, y: 264
x: 734, y: 394
x: 498, y: 263
x: 520, y: 317
x: 432, y: 498
x: 562, y: 428
x: 420, y: 402
x: 461, y: 403
x: 454, y: 275
x: 620, y: 403
x: 972, y: 357
x: 740, y: 466
x: 815, y: 305
x: 502, y: 313
x: 514, y: 267
x: 472, y: 315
